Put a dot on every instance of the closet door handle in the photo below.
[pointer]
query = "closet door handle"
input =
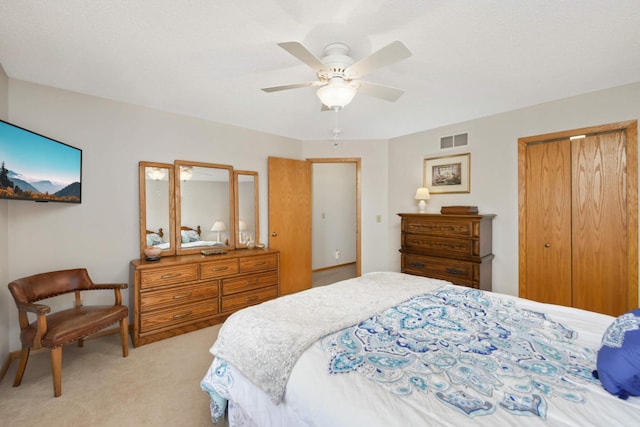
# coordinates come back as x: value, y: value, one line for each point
x: 547, y: 245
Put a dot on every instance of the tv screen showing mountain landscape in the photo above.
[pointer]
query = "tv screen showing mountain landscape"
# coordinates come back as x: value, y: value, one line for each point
x: 34, y: 167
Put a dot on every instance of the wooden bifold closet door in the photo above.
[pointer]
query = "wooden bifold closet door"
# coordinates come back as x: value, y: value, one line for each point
x: 578, y: 218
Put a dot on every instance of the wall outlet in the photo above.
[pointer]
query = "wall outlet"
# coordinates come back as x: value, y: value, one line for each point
x: 337, y: 254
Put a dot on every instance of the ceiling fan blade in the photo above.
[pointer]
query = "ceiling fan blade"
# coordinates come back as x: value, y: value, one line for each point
x: 291, y: 86
x: 389, y: 54
x: 379, y: 91
x: 303, y: 54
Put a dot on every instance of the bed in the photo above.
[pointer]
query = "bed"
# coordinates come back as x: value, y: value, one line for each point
x: 391, y: 349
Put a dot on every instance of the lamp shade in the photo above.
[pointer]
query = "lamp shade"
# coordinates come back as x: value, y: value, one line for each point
x: 336, y: 94
x: 422, y: 193
x: 242, y: 226
x: 218, y: 226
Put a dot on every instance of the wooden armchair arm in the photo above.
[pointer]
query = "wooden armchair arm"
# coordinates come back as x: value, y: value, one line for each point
x: 105, y: 286
x: 110, y: 286
x: 34, y: 308
x: 41, y: 310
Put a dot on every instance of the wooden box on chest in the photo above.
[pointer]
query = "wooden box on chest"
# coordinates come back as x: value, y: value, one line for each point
x: 456, y: 248
x: 183, y: 293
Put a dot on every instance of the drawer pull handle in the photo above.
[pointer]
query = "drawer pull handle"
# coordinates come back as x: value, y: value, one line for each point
x: 259, y: 263
x: 417, y: 264
x: 253, y: 282
x: 182, y: 296
x: 183, y: 315
x: 454, y: 271
x: 169, y: 276
x: 219, y: 268
x: 251, y: 299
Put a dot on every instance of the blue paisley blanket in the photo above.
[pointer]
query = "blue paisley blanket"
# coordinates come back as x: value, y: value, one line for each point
x: 392, y: 349
x: 474, y: 352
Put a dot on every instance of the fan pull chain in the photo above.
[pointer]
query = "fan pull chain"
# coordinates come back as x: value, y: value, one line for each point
x: 336, y: 131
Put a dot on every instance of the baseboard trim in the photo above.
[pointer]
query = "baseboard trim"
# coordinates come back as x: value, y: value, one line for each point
x: 332, y: 267
x: 16, y: 354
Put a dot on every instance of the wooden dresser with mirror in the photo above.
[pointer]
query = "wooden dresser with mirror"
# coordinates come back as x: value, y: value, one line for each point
x: 186, y: 208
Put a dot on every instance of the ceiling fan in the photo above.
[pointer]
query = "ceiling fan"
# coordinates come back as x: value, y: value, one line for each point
x: 339, y: 76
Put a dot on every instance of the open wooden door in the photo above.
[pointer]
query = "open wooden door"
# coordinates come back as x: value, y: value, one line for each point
x: 290, y: 221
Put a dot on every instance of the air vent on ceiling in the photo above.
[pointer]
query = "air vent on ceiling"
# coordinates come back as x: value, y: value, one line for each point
x: 452, y: 141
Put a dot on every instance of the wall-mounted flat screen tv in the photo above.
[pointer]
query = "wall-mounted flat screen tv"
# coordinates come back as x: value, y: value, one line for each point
x: 34, y: 167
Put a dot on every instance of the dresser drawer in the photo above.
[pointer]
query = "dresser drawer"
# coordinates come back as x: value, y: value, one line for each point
x: 460, y: 227
x: 249, y: 282
x: 219, y: 268
x: 186, y: 313
x: 245, y: 299
x: 257, y: 263
x: 179, y: 295
x: 442, y: 247
x: 458, y: 272
x: 168, y: 276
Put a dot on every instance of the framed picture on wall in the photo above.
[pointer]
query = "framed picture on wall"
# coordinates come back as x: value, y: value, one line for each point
x: 448, y: 174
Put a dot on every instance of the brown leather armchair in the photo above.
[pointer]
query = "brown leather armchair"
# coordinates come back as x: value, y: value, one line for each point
x: 53, y: 330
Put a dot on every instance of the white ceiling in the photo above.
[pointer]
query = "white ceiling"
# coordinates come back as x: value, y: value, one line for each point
x: 209, y: 58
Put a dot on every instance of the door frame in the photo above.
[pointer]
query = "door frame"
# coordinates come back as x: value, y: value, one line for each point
x: 630, y: 128
x: 357, y: 162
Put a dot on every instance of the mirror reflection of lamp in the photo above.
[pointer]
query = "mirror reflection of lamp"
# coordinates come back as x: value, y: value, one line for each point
x: 242, y: 226
x: 218, y: 226
x: 422, y: 194
x: 186, y: 172
x: 155, y: 174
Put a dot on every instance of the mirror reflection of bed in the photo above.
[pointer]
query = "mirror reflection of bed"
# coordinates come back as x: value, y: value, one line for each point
x: 157, y: 239
x: 191, y: 237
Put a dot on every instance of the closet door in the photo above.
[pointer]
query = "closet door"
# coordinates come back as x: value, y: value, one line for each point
x: 599, y: 200
x: 578, y: 218
x: 548, y: 225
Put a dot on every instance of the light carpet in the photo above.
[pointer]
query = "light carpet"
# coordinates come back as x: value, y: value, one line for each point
x: 158, y: 384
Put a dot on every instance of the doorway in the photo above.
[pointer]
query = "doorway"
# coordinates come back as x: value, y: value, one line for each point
x: 335, y: 219
x: 290, y: 225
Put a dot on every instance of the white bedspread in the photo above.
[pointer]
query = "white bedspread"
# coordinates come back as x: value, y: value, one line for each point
x: 287, y: 326
x: 315, y: 396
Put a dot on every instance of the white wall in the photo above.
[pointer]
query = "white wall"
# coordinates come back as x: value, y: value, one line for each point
x: 374, y: 201
x: 6, y: 302
x: 102, y: 233
x: 334, y: 221
x: 493, y: 144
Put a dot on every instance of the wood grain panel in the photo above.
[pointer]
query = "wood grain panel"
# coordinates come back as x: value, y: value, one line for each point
x: 548, y: 222
x: 290, y: 221
x: 600, y: 222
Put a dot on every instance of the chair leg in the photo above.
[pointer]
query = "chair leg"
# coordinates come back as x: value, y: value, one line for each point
x: 24, y: 358
x: 56, y: 370
x: 80, y: 342
x: 124, y: 336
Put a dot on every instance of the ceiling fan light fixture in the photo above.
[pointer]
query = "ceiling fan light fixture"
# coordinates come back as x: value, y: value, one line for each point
x: 337, y: 94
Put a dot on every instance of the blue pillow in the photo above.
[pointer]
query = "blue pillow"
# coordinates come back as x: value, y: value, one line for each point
x: 618, y: 366
x: 189, y: 236
x: 154, y: 239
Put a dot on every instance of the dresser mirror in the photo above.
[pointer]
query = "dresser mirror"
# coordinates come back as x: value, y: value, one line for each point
x: 157, y: 211
x: 246, y: 195
x: 204, y: 201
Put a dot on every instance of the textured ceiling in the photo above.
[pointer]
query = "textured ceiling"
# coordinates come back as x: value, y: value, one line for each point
x: 209, y: 59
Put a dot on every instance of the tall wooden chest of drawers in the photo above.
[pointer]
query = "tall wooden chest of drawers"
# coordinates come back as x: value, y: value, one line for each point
x: 183, y: 293
x: 456, y: 248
